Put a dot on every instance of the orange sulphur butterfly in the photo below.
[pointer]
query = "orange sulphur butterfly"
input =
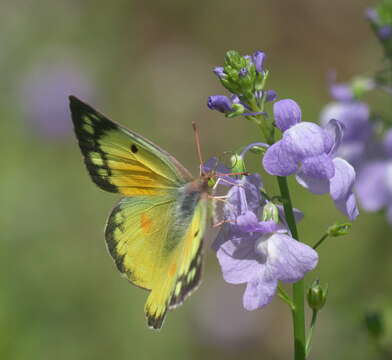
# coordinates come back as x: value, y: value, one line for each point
x: 155, y: 231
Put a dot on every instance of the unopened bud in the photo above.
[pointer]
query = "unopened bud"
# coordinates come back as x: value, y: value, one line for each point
x: 270, y: 212
x: 317, y: 296
x: 237, y: 163
x: 339, y: 229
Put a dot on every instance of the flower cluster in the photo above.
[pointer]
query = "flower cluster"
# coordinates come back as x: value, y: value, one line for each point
x: 255, y: 244
x: 259, y: 252
x: 244, y: 77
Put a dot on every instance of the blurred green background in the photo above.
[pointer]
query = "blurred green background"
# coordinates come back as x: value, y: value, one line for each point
x: 149, y: 66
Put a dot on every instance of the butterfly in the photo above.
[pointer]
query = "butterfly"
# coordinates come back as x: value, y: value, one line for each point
x: 155, y: 232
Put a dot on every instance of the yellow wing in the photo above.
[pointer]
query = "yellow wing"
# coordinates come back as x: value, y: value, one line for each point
x: 158, y: 249
x: 119, y: 160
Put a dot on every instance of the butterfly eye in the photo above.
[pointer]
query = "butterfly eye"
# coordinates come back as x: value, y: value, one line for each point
x: 196, y: 233
x: 134, y: 148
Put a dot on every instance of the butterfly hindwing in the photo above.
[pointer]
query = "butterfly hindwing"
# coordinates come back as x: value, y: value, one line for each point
x: 156, y: 251
x: 187, y: 263
x: 136, y: 235
x: 120, y: 160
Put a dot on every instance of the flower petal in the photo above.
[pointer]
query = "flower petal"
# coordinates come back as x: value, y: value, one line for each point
x: 289, y: 258
x: 370, y: 186
x: 335, y: 129
x: 277, y: 161
x: 236, y: 256
x: 318, y: 167
x: 305, y: 140
x: 286, y: 114
x: 243, y: 197
x: 353, y: 115
x: 341, y: 184
x: 259, y: 292
x: 247, y: 222
x: 315, y: 186
x: 267, y: 227
x: 348, y: 206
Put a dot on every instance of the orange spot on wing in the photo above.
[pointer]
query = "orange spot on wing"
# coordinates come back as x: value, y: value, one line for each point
x: 145, y: 223
x: 172, y: 269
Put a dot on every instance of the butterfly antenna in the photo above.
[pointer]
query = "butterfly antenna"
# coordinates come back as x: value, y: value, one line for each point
x: 197, y: 139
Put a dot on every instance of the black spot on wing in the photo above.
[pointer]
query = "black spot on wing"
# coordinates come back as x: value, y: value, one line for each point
x: 188, y: 285
x: 134, y: 148
x: 89, y: 141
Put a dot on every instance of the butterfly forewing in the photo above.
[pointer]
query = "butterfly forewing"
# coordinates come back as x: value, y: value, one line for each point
x: 120, y: 160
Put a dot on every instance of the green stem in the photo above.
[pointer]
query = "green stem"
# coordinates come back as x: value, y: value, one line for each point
x: 312, y: 325
x: 298, y: 287
x: 318, y: 243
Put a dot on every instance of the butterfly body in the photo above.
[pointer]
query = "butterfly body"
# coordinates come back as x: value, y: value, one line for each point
x: 155, y: 232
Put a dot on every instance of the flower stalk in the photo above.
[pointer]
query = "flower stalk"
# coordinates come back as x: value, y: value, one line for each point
x: 298, y: 310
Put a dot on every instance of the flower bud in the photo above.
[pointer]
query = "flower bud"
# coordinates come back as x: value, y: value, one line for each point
x: 271, y: 95
x: 219, y: 72
x: 220, y: 103
x: 270, y: 212
x: 235, y: 60
x: 339, y: 229
x: 258, y: 60
x: 317, y: 296
x: 237, y: 163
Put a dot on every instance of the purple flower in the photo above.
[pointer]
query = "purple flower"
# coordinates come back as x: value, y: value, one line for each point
x: 220, y: 103
x: 355, y: 117
x: 45, y: 92
x: 374, y: 181
x: 259, y: 253
x: 309, y: 151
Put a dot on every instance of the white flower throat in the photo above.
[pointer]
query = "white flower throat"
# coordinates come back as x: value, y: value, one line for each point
x: 261, y: 246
